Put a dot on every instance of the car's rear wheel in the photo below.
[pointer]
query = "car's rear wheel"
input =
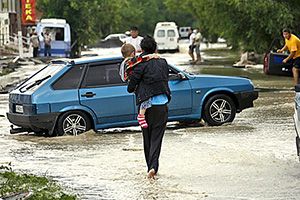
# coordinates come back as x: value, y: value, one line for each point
x: 73, y: 123
x: 219, y: 109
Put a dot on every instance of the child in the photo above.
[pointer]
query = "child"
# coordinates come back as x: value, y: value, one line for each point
x: 128, y: 52
x: 126, y: 69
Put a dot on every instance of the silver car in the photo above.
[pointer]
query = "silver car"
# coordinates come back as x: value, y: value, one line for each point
x: 297, y: 118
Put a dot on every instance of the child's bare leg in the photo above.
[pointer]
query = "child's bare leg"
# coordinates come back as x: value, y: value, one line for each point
x: 141, y: 118
x: 142, y: 111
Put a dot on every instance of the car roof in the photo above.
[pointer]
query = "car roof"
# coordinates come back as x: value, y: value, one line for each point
x: 115, y: 35
x: 86, y: 60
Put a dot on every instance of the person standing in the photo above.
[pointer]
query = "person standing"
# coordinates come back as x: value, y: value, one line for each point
x: 34, y: 39
x: 292, y: 44
x: 198, y: 39
x: 47, y: 43
x: 192, y: 45
x: 149, y: 80
x: 134, y: 39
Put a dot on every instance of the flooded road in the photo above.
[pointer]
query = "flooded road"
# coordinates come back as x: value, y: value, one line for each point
x: 252, y: 158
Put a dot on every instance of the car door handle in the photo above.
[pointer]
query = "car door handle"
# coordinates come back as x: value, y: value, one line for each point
x: 88, y: 94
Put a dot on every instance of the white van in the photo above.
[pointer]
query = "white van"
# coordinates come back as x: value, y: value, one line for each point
x: 166, y: 35
x: 60, y: 34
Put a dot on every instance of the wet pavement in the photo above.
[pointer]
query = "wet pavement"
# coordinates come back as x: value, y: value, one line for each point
x: 252, y: 158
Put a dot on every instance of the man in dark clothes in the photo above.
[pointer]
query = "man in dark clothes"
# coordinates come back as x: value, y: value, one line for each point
x: 149, y: 80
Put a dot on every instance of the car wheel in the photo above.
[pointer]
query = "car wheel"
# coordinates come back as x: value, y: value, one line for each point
x: 73, y: 123
x: 219, y: 109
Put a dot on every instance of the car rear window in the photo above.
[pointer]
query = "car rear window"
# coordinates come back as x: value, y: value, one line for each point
x: 171, y: 33
x: 40, y: 77
x: 161, y: 33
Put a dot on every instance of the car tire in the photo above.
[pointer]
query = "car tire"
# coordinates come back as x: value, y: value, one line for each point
x: 219, y: 109
x: 73, y: 123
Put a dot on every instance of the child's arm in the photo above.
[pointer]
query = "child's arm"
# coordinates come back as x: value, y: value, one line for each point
x: 130, y: 64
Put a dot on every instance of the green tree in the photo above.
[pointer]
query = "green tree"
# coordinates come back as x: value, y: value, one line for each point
x: 94, y: 19
x: 245, y: 24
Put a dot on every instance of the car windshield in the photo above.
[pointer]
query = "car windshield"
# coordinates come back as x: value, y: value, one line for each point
x: 40, y: 77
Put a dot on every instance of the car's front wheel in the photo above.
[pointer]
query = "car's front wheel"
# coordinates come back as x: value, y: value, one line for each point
x: 73, y: 123
x: 219, y: 109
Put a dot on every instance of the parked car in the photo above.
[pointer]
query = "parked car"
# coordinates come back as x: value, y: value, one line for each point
x: 72, y: 96
x: 184, y: 32
x: 111, y: 41
x: 167, y: 37
x: 273, y: 64
x: 116, y: 36
x: 297, y: 118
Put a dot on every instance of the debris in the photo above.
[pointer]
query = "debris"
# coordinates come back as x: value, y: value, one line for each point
x: 18, y: 196
x: 247, y: 58
x: 16, y: 59
x: 36, y: 61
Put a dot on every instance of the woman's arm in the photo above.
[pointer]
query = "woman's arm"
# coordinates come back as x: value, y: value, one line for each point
x: 135, y: 78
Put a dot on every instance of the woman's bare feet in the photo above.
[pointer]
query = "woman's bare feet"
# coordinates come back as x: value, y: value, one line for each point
x: 151, y: 173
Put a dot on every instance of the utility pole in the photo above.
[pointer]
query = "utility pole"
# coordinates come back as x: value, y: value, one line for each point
x: 20, y: 40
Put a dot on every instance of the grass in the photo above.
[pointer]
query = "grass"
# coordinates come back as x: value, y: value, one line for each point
x: 40, y: 187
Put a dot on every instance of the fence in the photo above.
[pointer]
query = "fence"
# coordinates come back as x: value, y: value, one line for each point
x: 12, y: 42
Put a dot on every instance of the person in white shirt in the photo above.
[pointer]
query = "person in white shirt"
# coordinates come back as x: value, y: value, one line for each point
x: 134, y: 39
x: 198, y: 38
x: 192, y: 45
x: 34, y: 39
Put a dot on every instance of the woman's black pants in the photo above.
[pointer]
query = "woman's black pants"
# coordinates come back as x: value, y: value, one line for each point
x: 156, y: 117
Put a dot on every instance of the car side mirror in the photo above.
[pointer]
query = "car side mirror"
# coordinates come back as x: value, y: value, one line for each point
x: 297, y: 88
x: 178, y: 76
x: 181, y: 76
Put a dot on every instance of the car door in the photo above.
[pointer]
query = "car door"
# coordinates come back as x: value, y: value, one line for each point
x: 160, y: 38
x: 172, y: 39
x: 103, y: 91
x: 181, y: 102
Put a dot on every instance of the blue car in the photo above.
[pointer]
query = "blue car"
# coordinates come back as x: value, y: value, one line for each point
x: 72, y: 96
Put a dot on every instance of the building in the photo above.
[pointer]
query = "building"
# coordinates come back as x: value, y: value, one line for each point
x: 8, y: 20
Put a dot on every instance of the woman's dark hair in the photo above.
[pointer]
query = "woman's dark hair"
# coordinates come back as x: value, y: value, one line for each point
x: 148, y: 44
x: 287, y: 30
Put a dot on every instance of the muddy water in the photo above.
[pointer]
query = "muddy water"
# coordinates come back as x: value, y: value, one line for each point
x: 252, y: 158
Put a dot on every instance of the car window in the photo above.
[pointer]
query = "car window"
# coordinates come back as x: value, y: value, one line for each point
x: 171, y: 33
x: 161, y: 33
x: 40, y: 77
x: 70, y: 80
x: 101, y: 75
x: 56, y: 33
